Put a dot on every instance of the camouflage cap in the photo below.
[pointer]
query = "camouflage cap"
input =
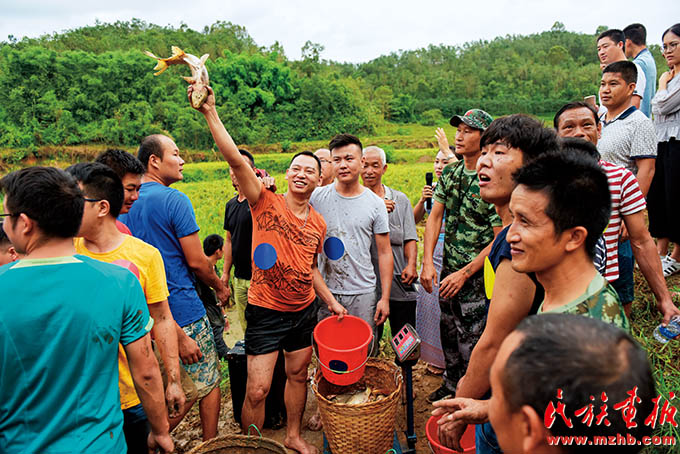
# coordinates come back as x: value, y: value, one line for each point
x: 474, y: 118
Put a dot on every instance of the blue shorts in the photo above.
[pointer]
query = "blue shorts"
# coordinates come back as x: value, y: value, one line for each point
x: 205, y: 373
x: 625, y: 285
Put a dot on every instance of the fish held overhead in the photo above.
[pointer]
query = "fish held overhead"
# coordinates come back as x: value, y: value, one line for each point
x: 199, y: 74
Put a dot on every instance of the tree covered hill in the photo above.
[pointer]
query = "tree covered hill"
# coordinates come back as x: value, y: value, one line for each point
x: 94, y: 85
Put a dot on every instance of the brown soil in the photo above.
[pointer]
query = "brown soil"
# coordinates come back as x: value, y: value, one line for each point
x: 188, y: 434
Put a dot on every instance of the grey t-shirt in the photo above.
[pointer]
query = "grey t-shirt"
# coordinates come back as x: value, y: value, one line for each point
x: 402, y: 229
x: 351, y: 223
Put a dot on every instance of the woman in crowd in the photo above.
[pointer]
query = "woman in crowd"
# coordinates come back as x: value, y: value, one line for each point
x: 427, y: 308
x: 664, y: 214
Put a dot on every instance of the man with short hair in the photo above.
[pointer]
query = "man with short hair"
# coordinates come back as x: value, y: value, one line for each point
x: 507, y: 144
x: 282, y: 300
x: 238, y: 226
x: 560, y: 207
x: 579, y: 119
x: 636, y: 48
x: 611, y: 48
x: 628, y: 137
x: 130, y: 171
x: 164, y: 218
x: 471, y: 225
x: 629, y: 140
x: 403, y: 239
x: 61, y: 328
x: 7, y: 252
x: 99, y: 238
x: 550, y: 364
x: 355, y: 217
x: 327, y: 172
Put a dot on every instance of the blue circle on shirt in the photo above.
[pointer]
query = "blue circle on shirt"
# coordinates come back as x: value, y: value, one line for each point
x: 334, y: 248
x: 264, y: 256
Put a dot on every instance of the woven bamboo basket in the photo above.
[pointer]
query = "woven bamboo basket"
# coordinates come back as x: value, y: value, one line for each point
x: 239, y: 444
x: 364, y: 428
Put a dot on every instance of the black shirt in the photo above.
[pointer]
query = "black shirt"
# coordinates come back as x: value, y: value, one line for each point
x: 239, y: 224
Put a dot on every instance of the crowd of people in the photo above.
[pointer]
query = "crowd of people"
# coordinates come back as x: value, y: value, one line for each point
x: 528, y: 230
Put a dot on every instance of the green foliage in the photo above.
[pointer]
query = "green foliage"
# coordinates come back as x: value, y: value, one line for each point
x: 431, y: 117
x: 93, y: 85
x: 389, y: 154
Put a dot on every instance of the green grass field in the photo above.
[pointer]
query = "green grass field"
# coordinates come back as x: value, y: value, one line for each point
x: 209, y: 188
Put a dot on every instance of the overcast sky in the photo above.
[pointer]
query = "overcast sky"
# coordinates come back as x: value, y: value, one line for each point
x: 350, y: 30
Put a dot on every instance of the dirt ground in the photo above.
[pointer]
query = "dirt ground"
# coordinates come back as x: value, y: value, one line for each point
x: 188, y: 434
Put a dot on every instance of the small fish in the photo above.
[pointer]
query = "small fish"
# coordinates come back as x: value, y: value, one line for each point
x: 199, y: 74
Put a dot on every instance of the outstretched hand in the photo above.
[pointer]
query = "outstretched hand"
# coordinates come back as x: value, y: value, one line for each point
x: 456, y: 414
x: 462, y: 409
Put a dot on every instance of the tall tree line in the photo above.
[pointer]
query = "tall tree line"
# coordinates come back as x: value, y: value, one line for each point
x: 94, y: 85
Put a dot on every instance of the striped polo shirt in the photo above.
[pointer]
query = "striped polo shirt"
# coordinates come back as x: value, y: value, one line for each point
x: 626, y: 199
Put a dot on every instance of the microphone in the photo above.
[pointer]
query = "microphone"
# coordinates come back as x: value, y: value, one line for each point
x: 428, y: 181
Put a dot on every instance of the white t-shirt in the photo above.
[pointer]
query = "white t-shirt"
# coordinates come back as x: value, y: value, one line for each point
x: 351, y: 223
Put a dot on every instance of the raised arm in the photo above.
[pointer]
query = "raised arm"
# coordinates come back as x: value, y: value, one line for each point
x: 250, y: 185
x: 419, y: 208
x: 667, y: 101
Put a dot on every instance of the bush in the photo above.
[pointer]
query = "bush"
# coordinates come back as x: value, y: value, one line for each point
x: 431, y: 117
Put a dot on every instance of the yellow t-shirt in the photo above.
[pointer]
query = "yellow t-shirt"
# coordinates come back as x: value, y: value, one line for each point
x: 149, y: 264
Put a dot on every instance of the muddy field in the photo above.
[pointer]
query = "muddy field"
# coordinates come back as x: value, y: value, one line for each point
x: 188, y: 434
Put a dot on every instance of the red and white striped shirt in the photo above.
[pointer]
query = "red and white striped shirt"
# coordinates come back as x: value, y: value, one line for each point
x: 626, y: 199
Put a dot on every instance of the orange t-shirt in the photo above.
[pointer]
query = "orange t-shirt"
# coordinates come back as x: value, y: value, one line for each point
x: 283, y: 252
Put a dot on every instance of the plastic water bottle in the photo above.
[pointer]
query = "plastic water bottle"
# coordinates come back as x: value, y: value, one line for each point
x: 666, y: 333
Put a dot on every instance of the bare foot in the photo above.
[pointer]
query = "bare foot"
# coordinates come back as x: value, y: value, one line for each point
x: 300, y: 445
x: 314, y: 423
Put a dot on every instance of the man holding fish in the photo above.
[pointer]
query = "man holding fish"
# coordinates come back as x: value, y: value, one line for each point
x: 282, y: 300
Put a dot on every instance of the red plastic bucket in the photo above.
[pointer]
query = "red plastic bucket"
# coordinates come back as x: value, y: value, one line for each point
x: 343, y: 348
x: 467, y: 441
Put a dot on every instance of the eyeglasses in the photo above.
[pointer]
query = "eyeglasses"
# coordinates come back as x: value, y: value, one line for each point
x: 670, y: 47
x: 7, y: 215
x: 91, y: 200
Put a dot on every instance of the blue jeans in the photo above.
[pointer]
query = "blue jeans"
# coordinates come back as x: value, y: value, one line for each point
x: 485, y: 440
x: 624, y: 285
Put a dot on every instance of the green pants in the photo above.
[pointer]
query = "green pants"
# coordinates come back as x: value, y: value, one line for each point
x: 240, y: 294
